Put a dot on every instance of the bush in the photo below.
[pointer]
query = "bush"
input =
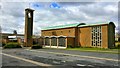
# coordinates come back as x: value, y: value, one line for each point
x: 12, y: 45
x: 36, y: 46
x: 117, y: 46
x: 70, y: 46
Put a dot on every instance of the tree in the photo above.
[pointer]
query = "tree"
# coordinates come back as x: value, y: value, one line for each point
x: 15, y: 33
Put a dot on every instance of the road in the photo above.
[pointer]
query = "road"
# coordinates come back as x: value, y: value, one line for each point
x: 57, y: 58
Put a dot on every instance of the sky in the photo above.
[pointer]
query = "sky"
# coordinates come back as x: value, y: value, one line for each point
x: 47, y: 14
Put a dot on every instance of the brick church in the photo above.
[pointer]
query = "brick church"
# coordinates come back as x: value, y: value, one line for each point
x: 100, y: 35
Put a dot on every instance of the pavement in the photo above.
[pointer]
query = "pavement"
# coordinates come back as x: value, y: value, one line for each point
x: 56, y: 58
x: 75, y: 52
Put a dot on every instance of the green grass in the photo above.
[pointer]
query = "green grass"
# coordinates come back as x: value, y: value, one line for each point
x: 90, y: 49
x: 115, y: 51
x: 87, y: 48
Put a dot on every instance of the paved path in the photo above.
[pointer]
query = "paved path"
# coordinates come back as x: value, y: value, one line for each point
x: 67, y: 58
x: 94, y: 54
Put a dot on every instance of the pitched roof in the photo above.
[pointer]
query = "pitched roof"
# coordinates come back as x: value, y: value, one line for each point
x: 76, y: 24
x: 61, y: 26
x: 93, y: 24
x: 98, y: 23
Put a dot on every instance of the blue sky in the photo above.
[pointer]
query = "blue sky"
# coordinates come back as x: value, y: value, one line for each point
x: 56, y: 13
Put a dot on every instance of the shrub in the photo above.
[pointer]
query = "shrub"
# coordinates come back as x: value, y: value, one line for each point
x: 70, y: 46
x: 34, y: 42
x: 36, y: 46
x: 117, y: 46
x: 12, y: 45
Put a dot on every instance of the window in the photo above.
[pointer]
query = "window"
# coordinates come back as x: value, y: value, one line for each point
x: 96, y: 36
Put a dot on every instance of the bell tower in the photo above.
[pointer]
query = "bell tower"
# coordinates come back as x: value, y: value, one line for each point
x: 28, y: 27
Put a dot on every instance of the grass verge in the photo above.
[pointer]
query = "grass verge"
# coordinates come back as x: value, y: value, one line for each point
x: 114, y: 51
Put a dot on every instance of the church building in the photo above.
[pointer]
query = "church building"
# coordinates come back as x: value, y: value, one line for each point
x: 100, y: 35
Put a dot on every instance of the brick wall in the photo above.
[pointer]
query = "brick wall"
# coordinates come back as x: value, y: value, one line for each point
x: 105, y: 36
x: 58, y: 32
x: 85, y: 36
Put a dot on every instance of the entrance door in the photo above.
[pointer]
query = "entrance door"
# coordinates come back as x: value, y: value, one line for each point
x: 47, y: 41
x: 53, y: 41
x: 61, y: 41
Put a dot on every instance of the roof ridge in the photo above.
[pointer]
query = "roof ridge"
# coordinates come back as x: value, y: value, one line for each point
x: 74, y: 24
x: 65, y: 24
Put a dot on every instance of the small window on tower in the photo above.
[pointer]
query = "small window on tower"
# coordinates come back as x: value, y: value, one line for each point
x: 29, y: 15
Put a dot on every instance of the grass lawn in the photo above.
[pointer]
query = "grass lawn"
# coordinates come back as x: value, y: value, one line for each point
x: 115, y: 51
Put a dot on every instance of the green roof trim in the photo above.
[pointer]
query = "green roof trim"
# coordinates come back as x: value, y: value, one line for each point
x: 61, y: 26
x: 74, y: 25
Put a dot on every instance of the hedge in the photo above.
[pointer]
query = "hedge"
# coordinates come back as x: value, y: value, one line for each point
x: 36, y: 46
x: 12, y: 45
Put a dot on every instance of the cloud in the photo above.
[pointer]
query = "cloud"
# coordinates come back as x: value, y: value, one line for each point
x: 75, y: 3
x: 12, y: 17
x: 46, y: 14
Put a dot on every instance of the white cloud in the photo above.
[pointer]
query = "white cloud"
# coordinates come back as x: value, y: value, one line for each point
x: 13, y: 14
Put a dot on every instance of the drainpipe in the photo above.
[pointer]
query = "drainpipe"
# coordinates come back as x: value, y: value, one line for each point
x: 77, y: 34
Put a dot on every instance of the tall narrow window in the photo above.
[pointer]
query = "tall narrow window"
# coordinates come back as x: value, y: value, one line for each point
x: 96, y: 33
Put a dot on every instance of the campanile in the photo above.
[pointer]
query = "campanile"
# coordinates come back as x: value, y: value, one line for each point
x: 28, y: 27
